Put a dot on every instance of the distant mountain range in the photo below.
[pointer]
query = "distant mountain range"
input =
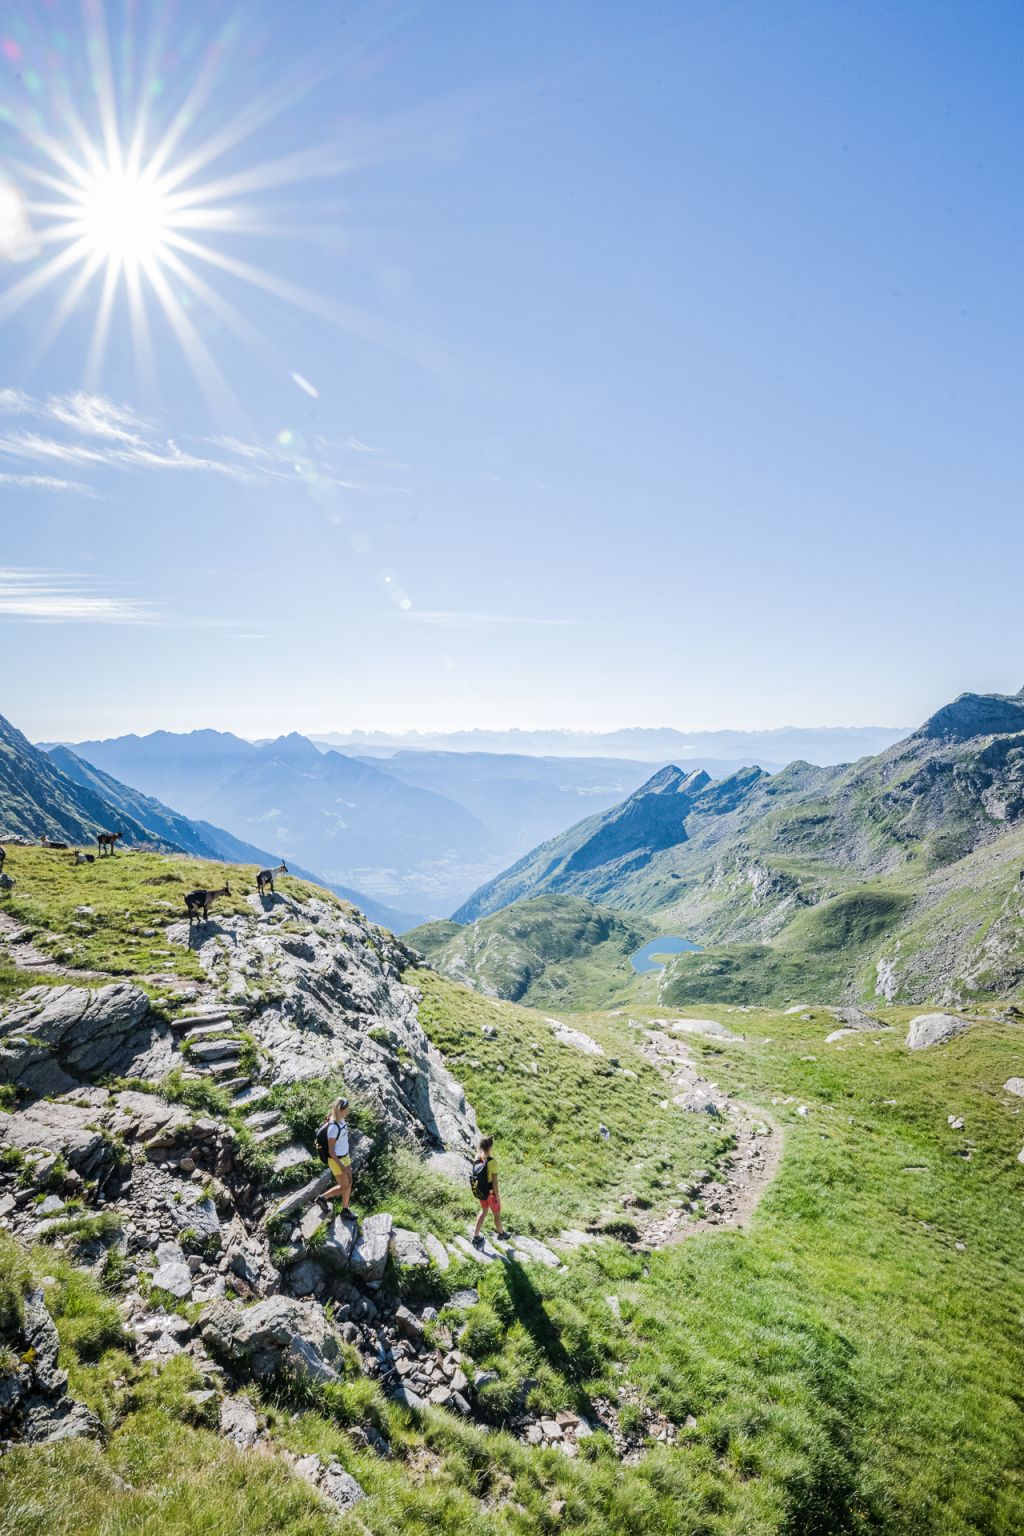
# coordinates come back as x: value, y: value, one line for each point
x: 418, y: 829
x: 58, y: 795
x: 768, y: 749
x: 897, y: 877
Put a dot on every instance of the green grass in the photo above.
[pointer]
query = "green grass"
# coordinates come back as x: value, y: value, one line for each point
x: 129, y: 894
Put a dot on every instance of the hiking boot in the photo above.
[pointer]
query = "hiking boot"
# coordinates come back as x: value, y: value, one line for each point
x: 504, y: 1237
x: 323, y: 1205
x: 478, y: 1242
x: 349, y: 1215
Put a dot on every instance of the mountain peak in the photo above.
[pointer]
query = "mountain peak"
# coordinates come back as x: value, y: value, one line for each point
x: 975, y: 714
x: 671, y: 780
x: 293, y: 748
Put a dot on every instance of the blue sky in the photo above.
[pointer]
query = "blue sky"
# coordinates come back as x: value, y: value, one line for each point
x: 657, y: 364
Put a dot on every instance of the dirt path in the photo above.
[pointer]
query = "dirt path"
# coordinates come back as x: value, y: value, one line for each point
x: 16, y: 946
x: 728, y: 1195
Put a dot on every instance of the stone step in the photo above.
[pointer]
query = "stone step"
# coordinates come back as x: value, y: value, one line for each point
x: 263, y: 1119
x: 216, y: 1050
x: 221, y: 1016
x: 233, y: 1084
x: 219, y: 1068
x: 202, y: 1030
x: 290, y: 1156
x: 253, y: 1093
x: 270, y: 1134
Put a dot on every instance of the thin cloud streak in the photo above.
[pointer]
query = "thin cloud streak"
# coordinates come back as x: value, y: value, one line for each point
x: 62, y: 597
x: 92, y: 432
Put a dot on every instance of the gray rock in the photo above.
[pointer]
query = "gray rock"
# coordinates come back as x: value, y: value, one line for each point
x: 370, y: 1253
x: 437, y: 1251
x: 532, y: 1249
x: 697, y: 1101
x: 1014, y: 1085
x: 299, y: 1198
x: 176, y: 1279
x: 53, y: 1037
x: 576, y: 1039
x: 238, y: 1421
x: 340, y: 1487
x: 407, y: 1248
x: 305, y: 1278
x: 463, y: 1300
x: 409, y: 1399
x: 246, y: 1257
x: 335, y: 1253
x: 929, y: 1029
x: 709, y: 1028
x: 274, y: 1334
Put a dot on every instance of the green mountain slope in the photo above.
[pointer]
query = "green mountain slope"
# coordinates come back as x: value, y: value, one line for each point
x: 898, y: 876
x: 549, y: 951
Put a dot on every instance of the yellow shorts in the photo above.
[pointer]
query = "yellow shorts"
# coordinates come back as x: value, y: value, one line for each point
x: 336, y: 1164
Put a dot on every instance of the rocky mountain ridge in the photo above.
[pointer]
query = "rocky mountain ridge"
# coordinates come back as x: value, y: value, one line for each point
x: 902, y: 870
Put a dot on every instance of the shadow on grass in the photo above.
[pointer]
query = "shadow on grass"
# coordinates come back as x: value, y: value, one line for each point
x: 528, y: 1307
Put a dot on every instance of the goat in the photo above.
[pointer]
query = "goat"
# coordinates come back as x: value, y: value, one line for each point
x: 198, y: 903
x: 6, y: 883
x: 265, y: 878
x: 3, y: 858
x: 84, y: 858
x: 44, y: 842
x: 106, y: 841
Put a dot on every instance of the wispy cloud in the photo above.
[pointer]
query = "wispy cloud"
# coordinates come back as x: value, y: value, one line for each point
x: 63, y: 597
x: 47, y: 483
x: 459, y: 619
x: 92, y: 433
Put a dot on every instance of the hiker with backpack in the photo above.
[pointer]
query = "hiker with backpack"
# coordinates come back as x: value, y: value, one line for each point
x: 332, y: 1149
x: 483, y: 1181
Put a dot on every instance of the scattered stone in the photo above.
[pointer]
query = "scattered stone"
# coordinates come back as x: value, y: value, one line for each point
x: 1014, y: 1085
x: 461, y: 1301
x: 955, y: 1122
x: 238, y: 1421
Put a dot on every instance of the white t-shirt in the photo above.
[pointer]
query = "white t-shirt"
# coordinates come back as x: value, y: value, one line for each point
x: 339, y: 1129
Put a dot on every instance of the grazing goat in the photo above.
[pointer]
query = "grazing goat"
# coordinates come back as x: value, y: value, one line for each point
x: 45, y: 843
x: 198, y: 903
x: 84, y: 858
x: 106, y: 841
x: 6, y: 883
x: 265, y: 878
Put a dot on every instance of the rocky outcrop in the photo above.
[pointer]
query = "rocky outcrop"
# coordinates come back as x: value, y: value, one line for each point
x: 324, y: 992
x: 54, y: 1037
x: 975, y: 714
x: 281, y: 1334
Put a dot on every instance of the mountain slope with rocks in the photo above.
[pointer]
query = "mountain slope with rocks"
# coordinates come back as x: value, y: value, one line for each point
x: 899, y: 873
x: 187, y: 1342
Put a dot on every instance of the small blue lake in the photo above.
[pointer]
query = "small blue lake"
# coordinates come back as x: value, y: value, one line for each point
x: 643, y: 961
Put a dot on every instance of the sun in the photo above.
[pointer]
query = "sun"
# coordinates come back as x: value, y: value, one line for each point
x: 124, y: 218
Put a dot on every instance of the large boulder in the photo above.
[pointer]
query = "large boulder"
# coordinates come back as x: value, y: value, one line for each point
x: 54, y: 1037
x: 66, y: 1130
x: 34, y: 1403
x: 278, y: 1334
x: 370, y: 1253
x: 934, y: 1029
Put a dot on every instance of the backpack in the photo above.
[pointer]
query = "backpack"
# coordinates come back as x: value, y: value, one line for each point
x: 479, y: 1183
x: 322, y: 1147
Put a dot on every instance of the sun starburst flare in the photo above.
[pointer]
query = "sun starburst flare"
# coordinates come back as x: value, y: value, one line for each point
x: 122, y: 214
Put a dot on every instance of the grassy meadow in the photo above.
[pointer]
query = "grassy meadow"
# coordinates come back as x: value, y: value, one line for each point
x: 852, y: 1363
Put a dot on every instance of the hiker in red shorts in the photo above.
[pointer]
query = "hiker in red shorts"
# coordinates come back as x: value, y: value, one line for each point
x: 484, y: 1183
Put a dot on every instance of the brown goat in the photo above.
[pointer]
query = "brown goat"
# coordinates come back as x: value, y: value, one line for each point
x: 265, y: 878
x: 198, y: 903
x: 106, y: 840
